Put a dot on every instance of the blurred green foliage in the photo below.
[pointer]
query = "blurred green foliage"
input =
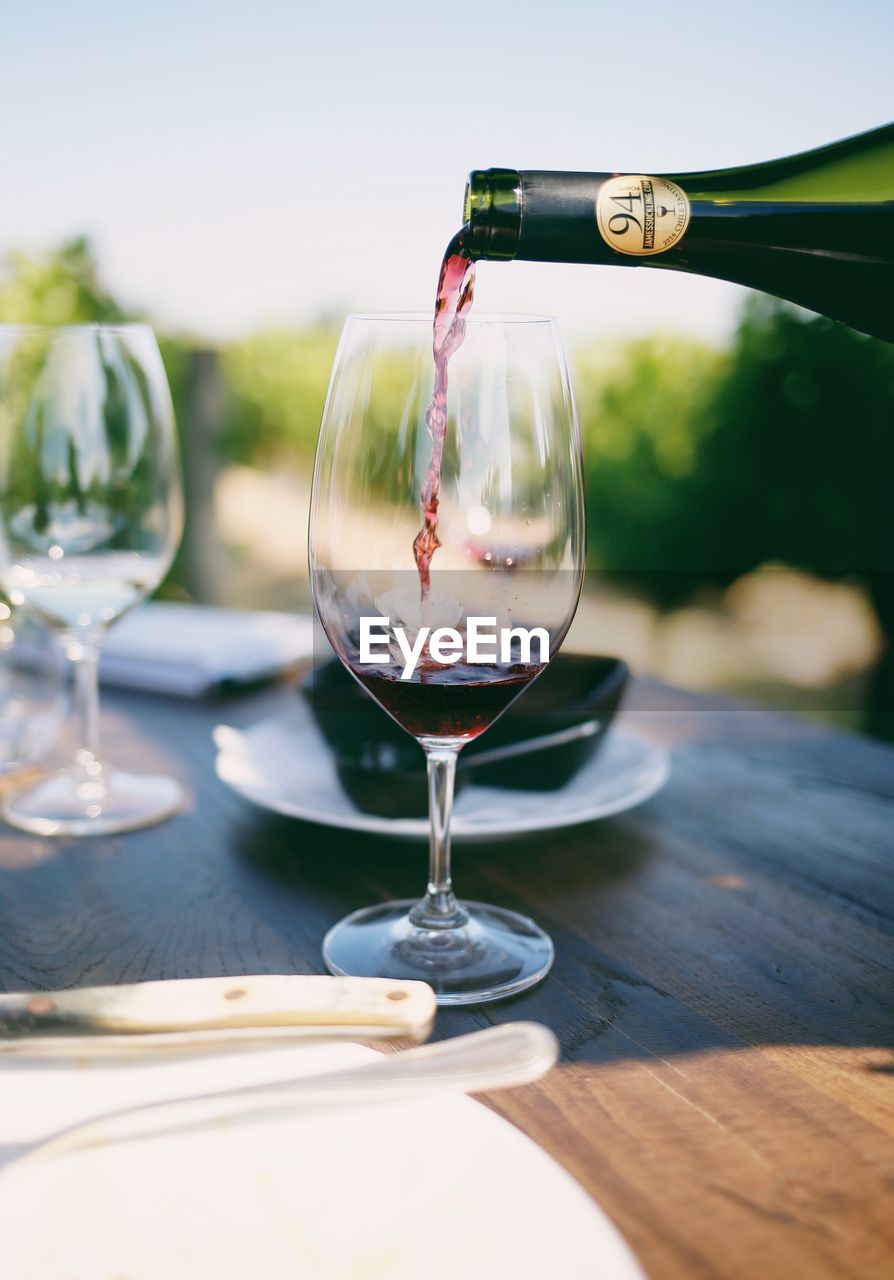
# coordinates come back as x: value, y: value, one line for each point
x: 277, y: 386
x: 701, y: 464
x: 59, y: 287
x: 645, y: 411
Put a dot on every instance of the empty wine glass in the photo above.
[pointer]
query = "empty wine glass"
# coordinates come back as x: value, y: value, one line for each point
x: 508, y: 559
x: 90, y: 517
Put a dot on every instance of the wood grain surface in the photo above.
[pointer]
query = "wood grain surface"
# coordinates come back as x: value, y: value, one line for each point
x: 723, y: 978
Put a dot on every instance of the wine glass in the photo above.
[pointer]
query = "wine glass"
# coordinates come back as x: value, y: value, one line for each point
x: 91, y: 515
x: 509, y: 550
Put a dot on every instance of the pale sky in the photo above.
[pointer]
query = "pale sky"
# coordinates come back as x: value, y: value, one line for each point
x: 238, y: 164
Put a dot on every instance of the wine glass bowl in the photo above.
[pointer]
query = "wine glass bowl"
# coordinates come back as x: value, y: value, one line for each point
x: 445, y: 658
x: 90, y: 518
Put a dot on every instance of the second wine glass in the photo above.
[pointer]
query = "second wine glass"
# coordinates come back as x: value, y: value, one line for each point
x: 91, y: 515
x: 507, y: 560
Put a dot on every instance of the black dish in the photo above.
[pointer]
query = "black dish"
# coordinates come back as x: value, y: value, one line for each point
x: 383, y: 769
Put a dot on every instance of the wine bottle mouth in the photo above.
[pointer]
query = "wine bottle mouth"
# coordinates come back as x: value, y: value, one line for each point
x: 467, y: 201
x: 492, y: 212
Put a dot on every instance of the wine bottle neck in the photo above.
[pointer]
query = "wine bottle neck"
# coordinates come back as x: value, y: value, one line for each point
x: 492, y: 212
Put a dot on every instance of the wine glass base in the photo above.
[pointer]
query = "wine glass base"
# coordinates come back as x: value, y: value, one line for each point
x: 496, y: 954
x: 66, y: 804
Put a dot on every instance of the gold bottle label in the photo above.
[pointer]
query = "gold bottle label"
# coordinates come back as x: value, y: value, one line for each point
x: 640, y: 215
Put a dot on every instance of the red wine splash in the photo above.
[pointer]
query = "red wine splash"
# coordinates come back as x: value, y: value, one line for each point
x: 456, y: 284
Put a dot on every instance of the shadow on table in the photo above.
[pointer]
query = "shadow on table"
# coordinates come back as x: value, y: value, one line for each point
x: 641, y: 970
x: 352, y: 869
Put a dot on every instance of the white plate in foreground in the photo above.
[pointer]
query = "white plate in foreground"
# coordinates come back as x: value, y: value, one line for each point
x: 284, y: 764
x: 439, y: 1187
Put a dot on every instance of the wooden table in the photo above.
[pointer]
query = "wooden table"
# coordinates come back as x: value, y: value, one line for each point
x: 722, y: 986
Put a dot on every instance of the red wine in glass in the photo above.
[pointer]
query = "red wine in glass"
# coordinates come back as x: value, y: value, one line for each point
x: 456, y: 702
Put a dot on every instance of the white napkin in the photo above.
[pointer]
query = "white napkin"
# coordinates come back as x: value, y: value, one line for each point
x: 189, y: 650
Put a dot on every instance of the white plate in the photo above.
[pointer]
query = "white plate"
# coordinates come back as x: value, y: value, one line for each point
x: 284, y: 764
x: 439, y: 1187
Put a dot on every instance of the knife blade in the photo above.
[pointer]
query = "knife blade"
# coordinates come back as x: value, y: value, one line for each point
x: 374, y: 1008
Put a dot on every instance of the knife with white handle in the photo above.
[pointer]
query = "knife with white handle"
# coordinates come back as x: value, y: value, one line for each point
x: 370, y: 1008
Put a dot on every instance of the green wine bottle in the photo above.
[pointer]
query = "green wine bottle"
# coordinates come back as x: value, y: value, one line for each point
x: 815, y: 228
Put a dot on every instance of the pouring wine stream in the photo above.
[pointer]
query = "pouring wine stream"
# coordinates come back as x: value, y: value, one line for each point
x: 456, y: 289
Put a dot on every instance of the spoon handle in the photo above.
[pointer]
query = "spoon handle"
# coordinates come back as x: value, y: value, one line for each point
x: 495, y: 1058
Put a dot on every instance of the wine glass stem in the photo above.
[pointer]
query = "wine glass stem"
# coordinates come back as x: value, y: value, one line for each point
x: 84, y: 657
x: 439, y: 909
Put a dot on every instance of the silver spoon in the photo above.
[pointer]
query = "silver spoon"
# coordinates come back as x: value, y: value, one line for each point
x: 560, y: 738
x: 495, y: 1058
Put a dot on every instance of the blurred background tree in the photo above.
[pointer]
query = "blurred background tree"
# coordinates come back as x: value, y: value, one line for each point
x: 702, y: 465
x: 58, y: 287
x: 645, y: 414
x: 277, y: 381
